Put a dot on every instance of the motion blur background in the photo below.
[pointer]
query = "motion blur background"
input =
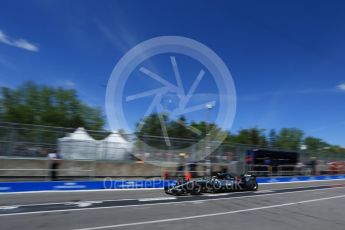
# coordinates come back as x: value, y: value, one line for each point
x: 286, y: 58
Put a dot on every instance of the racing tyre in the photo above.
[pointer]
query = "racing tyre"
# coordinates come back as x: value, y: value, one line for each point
x: 196, y: 190
x: 254, y: 187
x: 166, y: 190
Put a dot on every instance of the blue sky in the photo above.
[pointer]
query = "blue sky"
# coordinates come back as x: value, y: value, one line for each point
x: 287, y: 58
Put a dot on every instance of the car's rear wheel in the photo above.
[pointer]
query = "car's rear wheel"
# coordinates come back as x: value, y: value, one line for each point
x: 254, y: 187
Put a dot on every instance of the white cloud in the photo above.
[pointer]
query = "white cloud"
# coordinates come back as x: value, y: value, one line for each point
x: 19, y: 43
x: 70, y: 84
x: 341, y: 87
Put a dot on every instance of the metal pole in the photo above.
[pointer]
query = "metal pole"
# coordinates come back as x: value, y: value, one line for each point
x: 207, y: 129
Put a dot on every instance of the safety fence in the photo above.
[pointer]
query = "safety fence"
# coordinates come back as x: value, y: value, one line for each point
x: 37, y: 141
x: 320, y: 168
x: 40, y: 169
x: 45, y: 173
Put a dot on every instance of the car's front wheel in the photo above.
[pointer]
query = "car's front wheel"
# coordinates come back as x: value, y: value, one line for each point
x: 167, y: 189
x: 196, y: 190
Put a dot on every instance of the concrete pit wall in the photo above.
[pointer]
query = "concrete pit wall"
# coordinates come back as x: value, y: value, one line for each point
x: 38, y: 168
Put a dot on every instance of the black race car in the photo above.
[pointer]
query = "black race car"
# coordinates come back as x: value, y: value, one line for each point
x: 223, y: 182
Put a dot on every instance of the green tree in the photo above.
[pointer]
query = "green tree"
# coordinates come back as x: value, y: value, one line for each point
x: 286, y: 138
x: 44, y: 105
x: 179, y: 128
x: 181, y: 134
x: 290, y: 138
x: 272, y: 139
x: 336, y: 149
x: 149, y: 130
x: 315, y: 144
x: 251, y: 136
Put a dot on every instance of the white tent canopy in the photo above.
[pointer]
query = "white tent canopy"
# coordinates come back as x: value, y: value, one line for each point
x: 80, y: 134
x: 78, y: 145
x: 114, y: 147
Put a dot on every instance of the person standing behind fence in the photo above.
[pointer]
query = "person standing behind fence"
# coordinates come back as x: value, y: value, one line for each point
x: 313, y: 164
x: 54, y: 162
x: 192, y: 169
x: 180, y: 168
x: 267, y: 163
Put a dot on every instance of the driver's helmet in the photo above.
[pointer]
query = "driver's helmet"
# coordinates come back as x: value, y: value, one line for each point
x: 222, y: 175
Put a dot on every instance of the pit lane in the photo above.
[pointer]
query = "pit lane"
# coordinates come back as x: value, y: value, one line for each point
x: 153, y: 209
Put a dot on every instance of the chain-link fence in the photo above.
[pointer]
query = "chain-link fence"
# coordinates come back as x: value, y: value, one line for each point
x: 21, y: 140
x: 24, y: 150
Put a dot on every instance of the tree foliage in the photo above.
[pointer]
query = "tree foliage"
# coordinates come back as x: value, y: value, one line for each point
x: 56, y: 106
x: 251, y: 136
x: 45, y: 105
x: 285, y: 138
x: 290, y: 138
x: 313, y: 143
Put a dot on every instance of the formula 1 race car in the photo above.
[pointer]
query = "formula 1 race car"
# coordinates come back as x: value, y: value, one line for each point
x: 223, y: 182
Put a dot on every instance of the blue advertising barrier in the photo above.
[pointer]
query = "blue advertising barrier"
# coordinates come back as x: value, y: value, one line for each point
x: 8, y: 187
x: 108, y: 183
x: 263, y: 180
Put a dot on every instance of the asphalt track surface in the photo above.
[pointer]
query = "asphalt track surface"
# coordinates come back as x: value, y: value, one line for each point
x: 308, y: 205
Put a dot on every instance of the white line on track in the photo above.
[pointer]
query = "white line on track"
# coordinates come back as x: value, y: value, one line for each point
x: 265, y: 191
x: 83, y: 204
x: 8, y: 207
x: 157, y: 199
x: 216, y: 195
x: 210, y: 214
x: 134, y: 199
x: 165, y: 203
x: 70, y: 202
x: 293, y: 182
